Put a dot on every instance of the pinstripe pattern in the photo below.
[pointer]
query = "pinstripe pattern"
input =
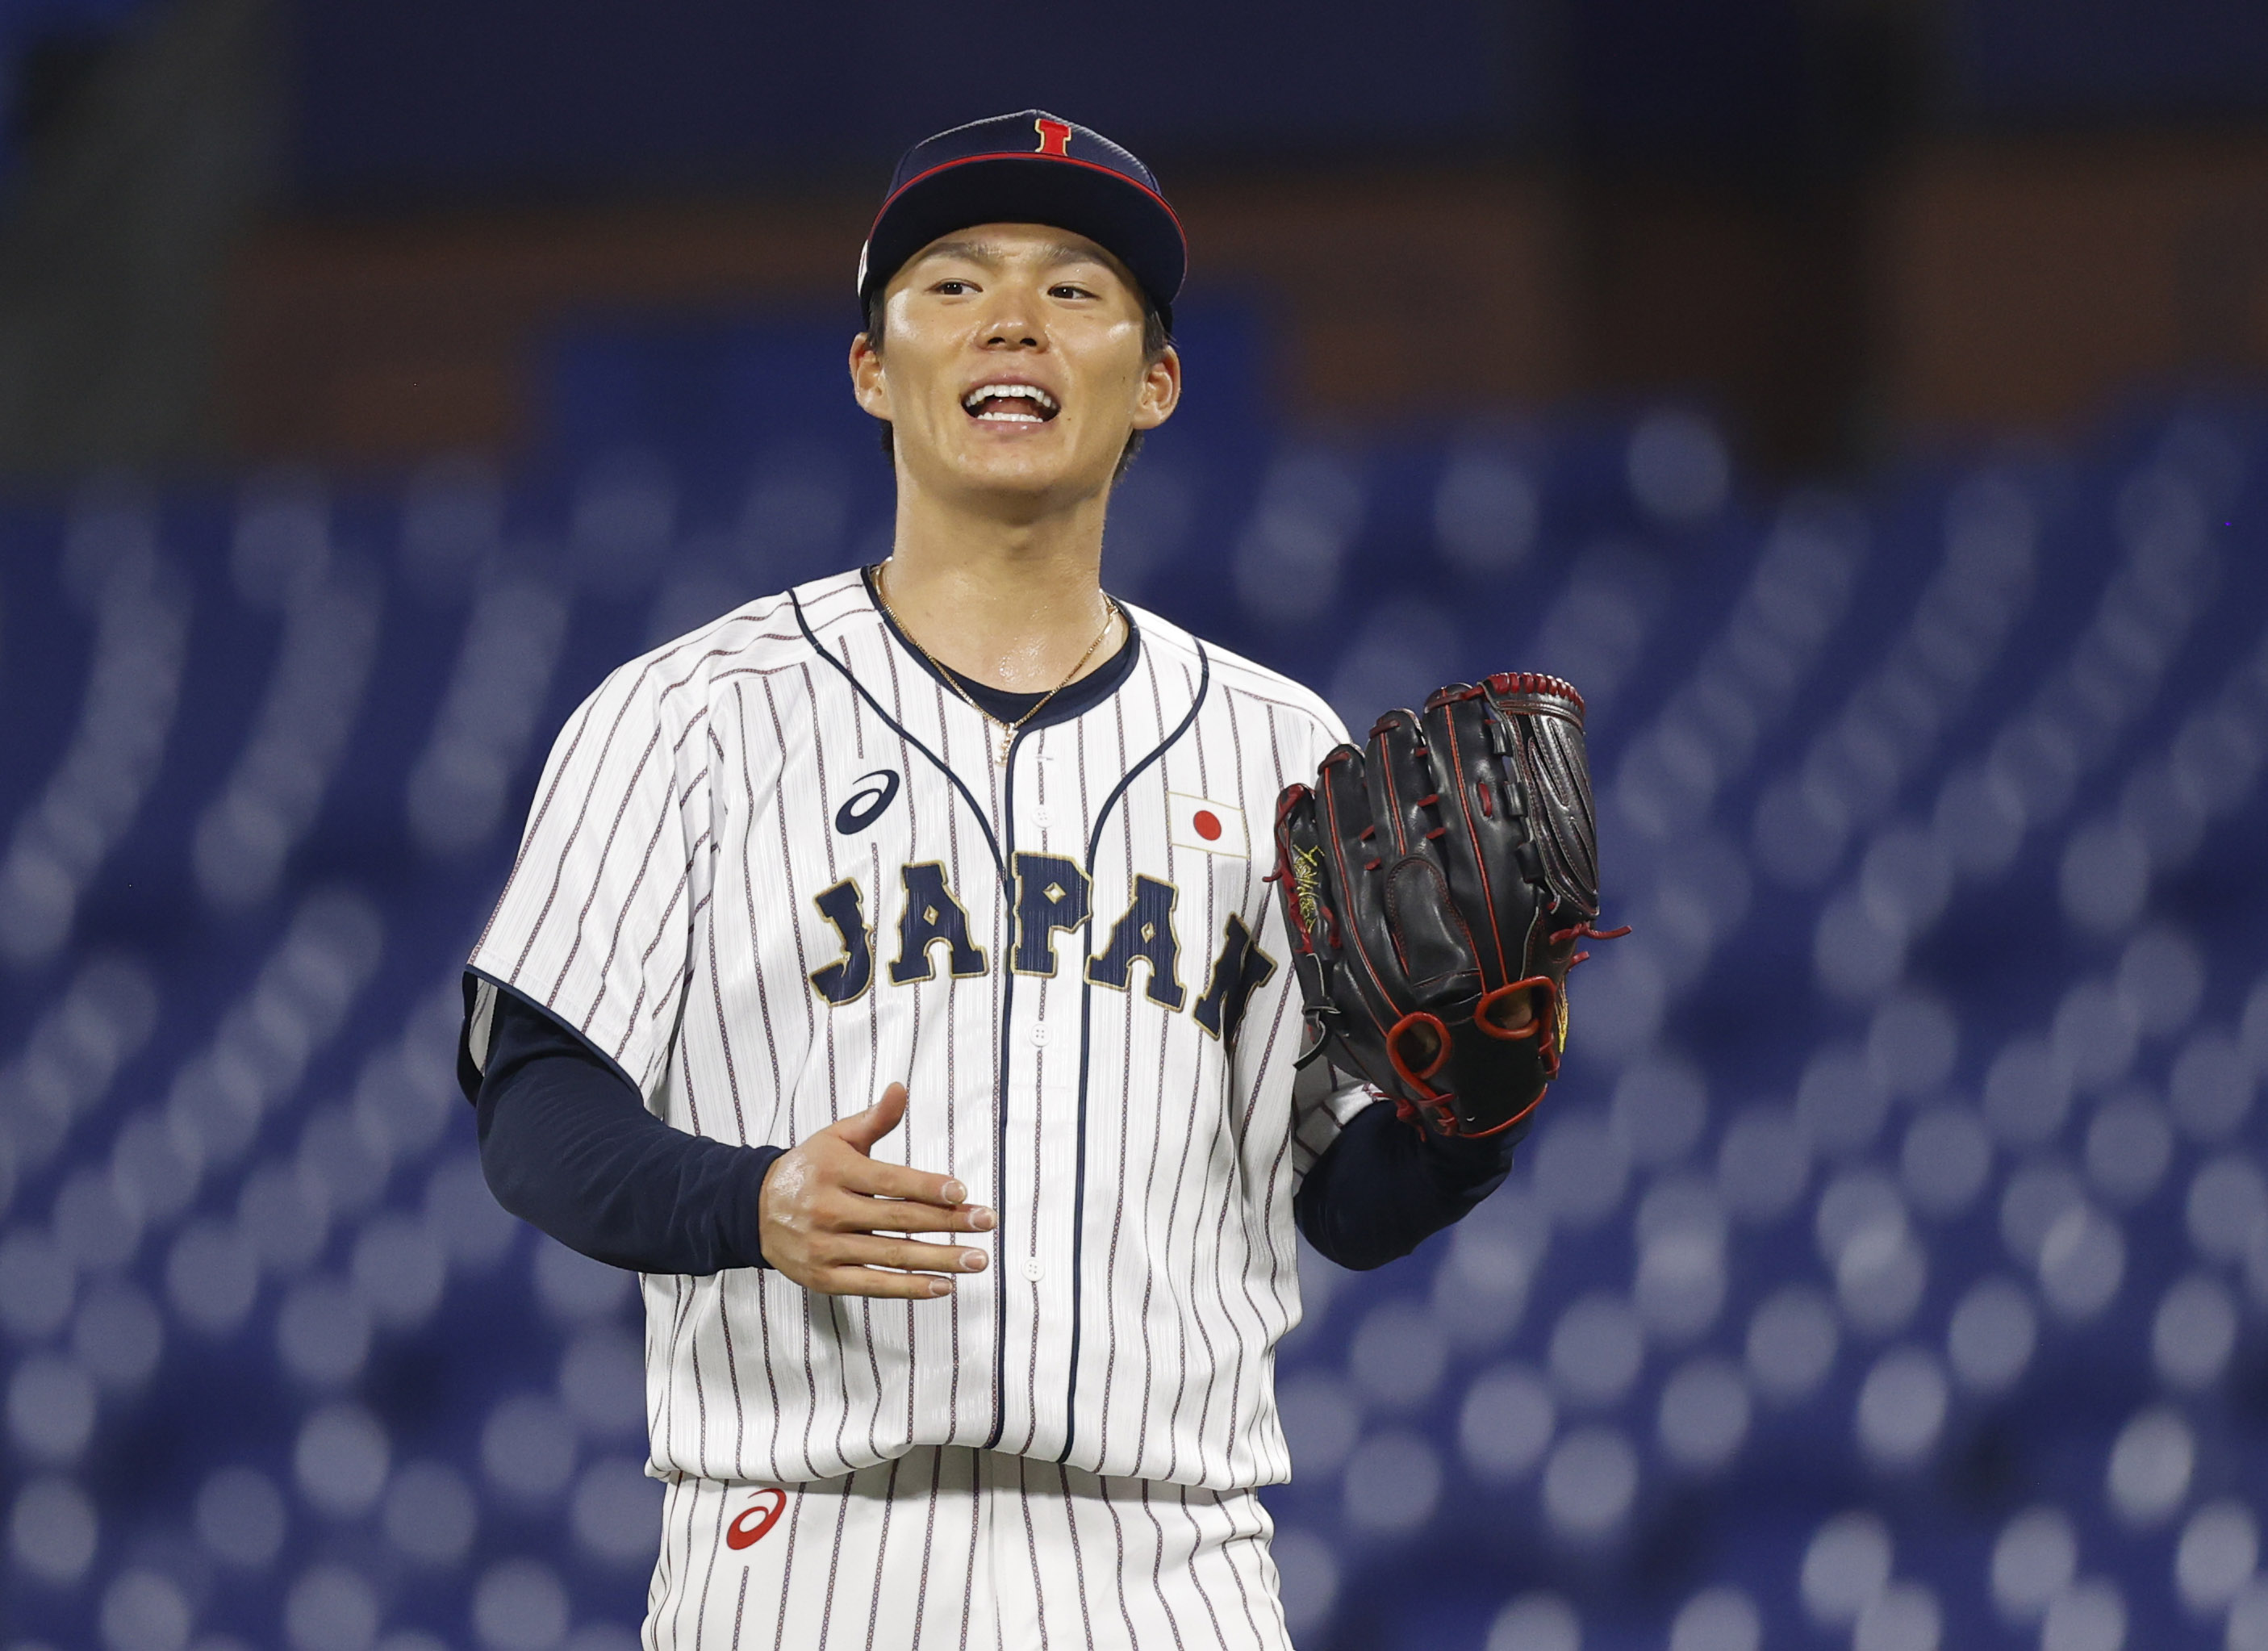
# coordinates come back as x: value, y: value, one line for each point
x: 665, y: 902
x: 948, y: 1547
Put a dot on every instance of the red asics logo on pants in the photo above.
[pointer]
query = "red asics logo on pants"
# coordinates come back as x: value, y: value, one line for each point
x: 741, y: 1534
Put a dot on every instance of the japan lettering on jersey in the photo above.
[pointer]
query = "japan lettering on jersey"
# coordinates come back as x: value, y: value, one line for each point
x: 775, y: 866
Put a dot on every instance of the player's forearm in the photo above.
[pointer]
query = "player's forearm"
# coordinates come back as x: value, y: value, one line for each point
x: 567, y: 1146
x: 1381, y: 1187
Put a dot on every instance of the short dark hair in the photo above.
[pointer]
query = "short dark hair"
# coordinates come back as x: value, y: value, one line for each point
x: 1155, y: 342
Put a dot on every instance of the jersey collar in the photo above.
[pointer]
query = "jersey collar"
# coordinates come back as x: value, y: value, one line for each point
x: 1082, y: 696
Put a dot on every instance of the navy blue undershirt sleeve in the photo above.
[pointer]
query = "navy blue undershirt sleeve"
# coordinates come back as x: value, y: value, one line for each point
x: 568, y: 1145
x: 1382, y: 1188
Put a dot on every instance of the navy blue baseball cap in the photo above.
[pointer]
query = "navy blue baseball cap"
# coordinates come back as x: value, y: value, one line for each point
x: 1029, y: 168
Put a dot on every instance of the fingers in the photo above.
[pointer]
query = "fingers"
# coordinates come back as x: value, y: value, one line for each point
x: 851, y: 1252
x: 881, y: 1180
x: 1509, y: 1011
x: 862, y: 1130
x: 824, y: 1202
x: 854, y: 1265
x: 909, y: 1286
x: 1417, y: 1044
x: 847, y: 1212
x: 843, y: 1192
x: 858, y: 1172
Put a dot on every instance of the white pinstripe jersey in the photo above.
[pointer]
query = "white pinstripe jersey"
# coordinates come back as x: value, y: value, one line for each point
x: 776, y: 864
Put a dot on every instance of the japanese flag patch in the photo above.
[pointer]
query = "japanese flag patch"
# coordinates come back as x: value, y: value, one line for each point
x: 1198, y: 823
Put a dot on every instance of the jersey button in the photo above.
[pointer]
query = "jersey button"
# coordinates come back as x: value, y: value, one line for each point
x: 1032, y: 1268
x: 1043, y: 818
x: 1039, y: 1037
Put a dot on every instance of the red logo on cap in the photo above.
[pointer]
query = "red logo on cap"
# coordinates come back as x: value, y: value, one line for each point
x: 1054, y: 135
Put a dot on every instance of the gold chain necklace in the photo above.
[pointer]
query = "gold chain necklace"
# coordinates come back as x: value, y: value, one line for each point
x: 1008, y: 730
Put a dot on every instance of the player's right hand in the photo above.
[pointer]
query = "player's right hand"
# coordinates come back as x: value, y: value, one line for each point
x: 826, y: 1202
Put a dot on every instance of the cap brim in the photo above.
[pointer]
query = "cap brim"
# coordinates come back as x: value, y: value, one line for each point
x: 1109, y: 208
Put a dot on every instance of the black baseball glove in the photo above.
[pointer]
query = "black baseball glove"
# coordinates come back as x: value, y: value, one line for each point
x: 1436, y: 886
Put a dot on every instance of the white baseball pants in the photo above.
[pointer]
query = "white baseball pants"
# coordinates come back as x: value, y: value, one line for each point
x: 949, y: 1547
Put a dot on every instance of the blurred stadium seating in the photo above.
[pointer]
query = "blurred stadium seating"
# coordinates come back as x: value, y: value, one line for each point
x: 1890, y: 1271
x: 55, y: 31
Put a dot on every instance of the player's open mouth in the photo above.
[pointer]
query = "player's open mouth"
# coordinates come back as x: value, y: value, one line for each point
x: 1009, y: 404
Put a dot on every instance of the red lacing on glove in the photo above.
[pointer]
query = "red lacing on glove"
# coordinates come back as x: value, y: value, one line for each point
x: 1584, y: 930
x: 1533, y: 682
x: 1416, y: 1077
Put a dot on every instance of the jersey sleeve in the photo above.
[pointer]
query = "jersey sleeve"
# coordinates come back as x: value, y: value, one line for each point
x: 1323, y: 1103
x: 595, y: 925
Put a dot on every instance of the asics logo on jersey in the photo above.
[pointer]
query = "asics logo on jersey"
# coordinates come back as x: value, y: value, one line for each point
x: 1052, y: 898
x: 864, y: 806
x: 765, y: 1510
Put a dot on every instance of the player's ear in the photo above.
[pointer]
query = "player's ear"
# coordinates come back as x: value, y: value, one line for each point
x: 868, y: 387
x: 1161, y: 390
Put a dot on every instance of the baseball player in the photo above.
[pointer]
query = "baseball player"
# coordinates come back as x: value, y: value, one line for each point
x: 891, y: 975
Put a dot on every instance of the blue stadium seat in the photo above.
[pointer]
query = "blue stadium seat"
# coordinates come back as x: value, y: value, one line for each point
x: 1889, y: 1268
